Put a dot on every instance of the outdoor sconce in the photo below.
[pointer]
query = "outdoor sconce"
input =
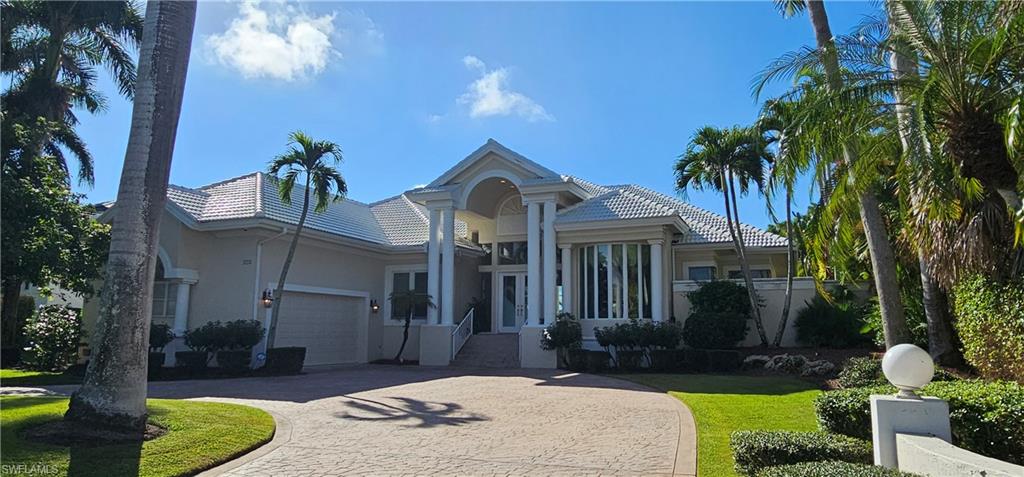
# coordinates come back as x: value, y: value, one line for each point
x: 374, y: 306
x: 268, y: 298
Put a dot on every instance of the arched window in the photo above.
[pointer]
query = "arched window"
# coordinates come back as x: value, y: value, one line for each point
x: 165, y: 294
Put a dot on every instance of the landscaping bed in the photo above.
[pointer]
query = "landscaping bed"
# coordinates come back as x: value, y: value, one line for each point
x: 199, y: 435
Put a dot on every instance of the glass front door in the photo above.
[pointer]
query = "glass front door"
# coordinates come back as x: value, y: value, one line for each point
x: 511, y: 302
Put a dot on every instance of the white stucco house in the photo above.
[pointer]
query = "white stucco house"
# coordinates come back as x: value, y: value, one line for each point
x: 518, y: 240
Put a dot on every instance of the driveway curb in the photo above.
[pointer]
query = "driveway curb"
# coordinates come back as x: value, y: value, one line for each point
x: 282, y: 436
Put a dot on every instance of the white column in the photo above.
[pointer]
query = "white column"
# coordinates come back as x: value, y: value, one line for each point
x: 550, y: 274
x: 533, y: 289
x: 433, y: 264
x: 181, y: 308
x: 657, y: 307
x: 567, y: 270
x: 448, y: 268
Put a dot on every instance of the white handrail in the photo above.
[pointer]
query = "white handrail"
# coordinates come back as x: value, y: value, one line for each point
x: 461, y: 333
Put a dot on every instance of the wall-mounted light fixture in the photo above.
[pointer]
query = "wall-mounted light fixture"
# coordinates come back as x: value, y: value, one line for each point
x: 268, y: 298
x: 374, y: 306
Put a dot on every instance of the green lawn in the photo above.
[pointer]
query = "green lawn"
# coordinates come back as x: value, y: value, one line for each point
x: 200, y: 435
x: 723, y: 404
x: 19, y: 377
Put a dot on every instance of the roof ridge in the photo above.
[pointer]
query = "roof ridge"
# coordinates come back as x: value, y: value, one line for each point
x: 587, y: 201
x: 187, y: 189
x: 415, y: 209
x: 344, y: 198
x: 666, y: 208
x: 225, y: 181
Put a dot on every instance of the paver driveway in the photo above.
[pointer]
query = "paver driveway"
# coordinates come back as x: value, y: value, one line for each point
x: 387, y: 420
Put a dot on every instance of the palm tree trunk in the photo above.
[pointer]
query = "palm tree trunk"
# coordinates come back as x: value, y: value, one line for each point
x: 405, y: 336
x: 790, y: 270
x: 748, y: 279
x: 941, y: 341
x: 883, y: 261
x: 279, y: 292
x: 113, y: 393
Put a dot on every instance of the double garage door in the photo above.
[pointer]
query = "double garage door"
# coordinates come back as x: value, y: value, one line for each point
x: 327, y: 325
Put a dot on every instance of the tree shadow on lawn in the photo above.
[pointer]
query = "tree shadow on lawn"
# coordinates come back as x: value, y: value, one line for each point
x: 421, y: 414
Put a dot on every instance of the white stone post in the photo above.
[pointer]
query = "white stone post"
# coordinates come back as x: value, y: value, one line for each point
x: 909, y: 368
x: 181, y: 308
x: 657, y: 287
x: 433, y: 263
x: 567, y: 270
x: 550, y: 274
x: 448, y: 268
x: 533, y: 289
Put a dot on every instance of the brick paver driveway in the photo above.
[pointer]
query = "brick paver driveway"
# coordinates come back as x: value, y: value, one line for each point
x: 387, y: 420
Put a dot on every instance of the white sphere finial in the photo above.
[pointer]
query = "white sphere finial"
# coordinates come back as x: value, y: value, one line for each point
x: 909, y: 368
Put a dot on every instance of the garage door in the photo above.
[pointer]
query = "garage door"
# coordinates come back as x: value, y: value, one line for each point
x: 327, y: 325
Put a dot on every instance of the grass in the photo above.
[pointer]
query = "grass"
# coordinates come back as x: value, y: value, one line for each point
x: 723, y: 404
x: 200, y: 435
x: 19, y: 377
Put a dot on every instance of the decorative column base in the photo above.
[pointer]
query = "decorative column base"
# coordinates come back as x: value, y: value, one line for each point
x: 436, y: 345
x: 927, y: 416
x: 531, y: 355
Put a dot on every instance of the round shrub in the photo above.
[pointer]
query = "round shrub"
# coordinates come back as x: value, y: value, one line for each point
x: 720, y: 296
x: 160, y: 335
x: 831, y: 469
x: 285, y: 361
x: 564, y: 333
x: 861, y: 371
x: 831, y: 325
x: 210, y: 337
x: 755, y: 450
x: 986, y: 417
x: 52, y: 335
x: 242, y: 334
x: 990, y: 321
x: 661, y: 335
x: 715, y: 330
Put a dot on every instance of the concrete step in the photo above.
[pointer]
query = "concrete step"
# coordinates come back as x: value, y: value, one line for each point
x: 499, y: 350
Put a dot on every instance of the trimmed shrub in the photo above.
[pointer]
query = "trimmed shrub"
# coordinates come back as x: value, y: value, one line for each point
x: 724, y: 360
x: 562, y: 335
x: 831, y: 469
x: 193, y: 361
x: 990, y: 321
x: 831, y: 325
x: 208, y: 338
x: 242, y: 334
x: 861, y: 371
x: 577, y: 359
x: 986, y: 417
x: 155, y: 363
x: 720, y: 296
x: 285, y: 360
x: 597, y: 361
x: 53, y: 334
x: 160, y: 335
x: 714, y: 330
x: 629, y: 360
x: 234, y: 361
x: 666, y: 359
x: 755, y: 450
x: 696, y: 360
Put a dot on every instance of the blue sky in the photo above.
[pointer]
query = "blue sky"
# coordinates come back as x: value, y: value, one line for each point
x: 610, y: 92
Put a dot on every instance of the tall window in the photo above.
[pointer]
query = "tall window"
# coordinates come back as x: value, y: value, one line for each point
x: 616, y: 281
x: 404, y: 281
x: 165, y: 297
x: 511, y: 253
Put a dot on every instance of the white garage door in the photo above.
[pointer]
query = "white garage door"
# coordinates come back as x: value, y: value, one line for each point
x: 327, y: 325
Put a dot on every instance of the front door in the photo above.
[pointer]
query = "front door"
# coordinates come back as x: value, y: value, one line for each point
x: 511, y: 301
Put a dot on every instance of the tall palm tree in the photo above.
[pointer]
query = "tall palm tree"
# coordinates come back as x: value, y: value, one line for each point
x: 408, y: 301
x: 114, y: 390
x: 883, y: 260
x: 314, y: 162
x: 51, y: 51
x: 718, y: 159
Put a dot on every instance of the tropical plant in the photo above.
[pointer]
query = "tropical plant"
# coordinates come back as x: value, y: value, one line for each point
x: 314, y: 163
x: 718, y: 159
x: 53, y: 335
x: 113, y: 393
x: 51, y: 51
x: 160, y: 335
x: 561, y: 336
x: 408, y: 301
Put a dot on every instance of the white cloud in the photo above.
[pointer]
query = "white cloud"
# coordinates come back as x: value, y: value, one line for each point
x: 489, y: 95
x: 280, y: 42
x: 434, y: 118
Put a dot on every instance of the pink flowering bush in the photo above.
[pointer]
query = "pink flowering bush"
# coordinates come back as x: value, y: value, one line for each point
x: 52, y: 336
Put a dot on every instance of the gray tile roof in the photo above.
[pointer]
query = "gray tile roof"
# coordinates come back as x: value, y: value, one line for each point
x: 399, y: 222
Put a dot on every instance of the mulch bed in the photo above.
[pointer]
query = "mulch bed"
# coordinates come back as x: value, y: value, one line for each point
x: 72, y: 434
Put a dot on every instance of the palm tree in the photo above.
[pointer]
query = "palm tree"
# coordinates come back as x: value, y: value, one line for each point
x: 313, y: 161
x: 51, y: 51
x: 883, y: 260
x: 114, y: 390
x: 717, y: 159
x: 408, y: 300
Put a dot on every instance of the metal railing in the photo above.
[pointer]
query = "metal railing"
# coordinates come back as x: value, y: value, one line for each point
x: 461, y: 333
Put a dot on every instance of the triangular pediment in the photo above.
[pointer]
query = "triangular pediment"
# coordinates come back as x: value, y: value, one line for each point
x: 489, y: 157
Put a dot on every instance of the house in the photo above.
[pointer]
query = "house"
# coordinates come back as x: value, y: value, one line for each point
x: 513, y: 238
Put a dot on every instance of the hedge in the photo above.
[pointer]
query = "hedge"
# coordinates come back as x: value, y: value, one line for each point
x: 831, y: 469
x: 986, y: 417
x: 990, y: 322
x: 755, y: 450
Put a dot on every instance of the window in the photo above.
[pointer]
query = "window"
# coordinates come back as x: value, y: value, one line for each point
x: 488, y: 252
x: 754, y: 273
x: 165, y: 299
x: 403, y: 282
x: 703, y: 274
x: 511, y: 253
x: 616, y: 280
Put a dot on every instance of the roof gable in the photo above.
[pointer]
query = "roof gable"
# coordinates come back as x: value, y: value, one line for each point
x: 490, y: 153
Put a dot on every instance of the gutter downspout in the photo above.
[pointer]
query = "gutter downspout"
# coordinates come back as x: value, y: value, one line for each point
x: 256, y: 281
